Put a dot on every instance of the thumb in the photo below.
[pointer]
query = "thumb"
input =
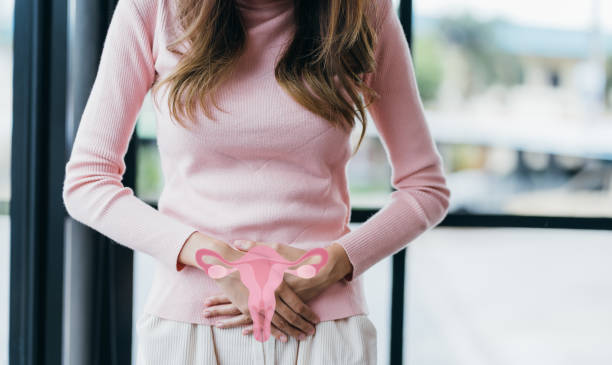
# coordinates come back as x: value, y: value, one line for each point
x: 244, y: 245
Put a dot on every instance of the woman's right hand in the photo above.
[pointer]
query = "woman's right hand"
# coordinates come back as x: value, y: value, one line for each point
x: 287, y: 320
x: 292, y: 317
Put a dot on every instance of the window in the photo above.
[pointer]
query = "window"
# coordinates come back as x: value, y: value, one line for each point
x: 518, y: 98
x: 6, y: 118
x: 509, y: 296
x: 519, y: 103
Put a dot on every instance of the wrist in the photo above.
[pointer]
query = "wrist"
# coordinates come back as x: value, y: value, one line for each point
x: 198, y: 241
x: 341, y: 266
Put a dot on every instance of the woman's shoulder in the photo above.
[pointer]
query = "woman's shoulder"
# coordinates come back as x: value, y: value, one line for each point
x: 146, y: 8
x: 162, y: 15
x: 159, y: 19
x: 378, y: 10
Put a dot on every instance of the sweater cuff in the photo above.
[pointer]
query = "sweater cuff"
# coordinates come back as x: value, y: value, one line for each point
x: 352, y: 251
x: 383, y: 234
x: 182, y: 238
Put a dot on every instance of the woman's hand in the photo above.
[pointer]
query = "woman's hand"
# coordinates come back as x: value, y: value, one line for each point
x: 292, y: 316
x: 337, y: 267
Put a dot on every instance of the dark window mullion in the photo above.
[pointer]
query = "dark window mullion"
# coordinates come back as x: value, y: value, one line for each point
x: 37, y: 164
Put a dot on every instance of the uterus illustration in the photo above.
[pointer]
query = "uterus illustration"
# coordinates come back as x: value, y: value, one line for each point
x: 261, y: 271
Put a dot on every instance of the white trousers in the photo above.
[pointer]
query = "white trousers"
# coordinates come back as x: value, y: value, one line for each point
x: 345, y: 341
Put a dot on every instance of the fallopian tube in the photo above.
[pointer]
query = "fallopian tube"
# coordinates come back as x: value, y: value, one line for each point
x: 261, y: 271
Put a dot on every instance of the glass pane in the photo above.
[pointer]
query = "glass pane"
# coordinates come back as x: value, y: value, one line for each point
x: 149, y: 178
x: 6, y: 126
x: 509, y: 296
x: 144, y: 271
x: 377, y: 292
x: 149, y: 183
x: 518, y: 96
x: 369, y: 172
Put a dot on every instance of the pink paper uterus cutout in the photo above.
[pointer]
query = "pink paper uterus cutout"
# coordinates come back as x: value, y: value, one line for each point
x: 261, y: 271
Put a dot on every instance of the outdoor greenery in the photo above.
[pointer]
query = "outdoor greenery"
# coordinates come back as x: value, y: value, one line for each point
x: 428, y: 66
x: 149, y: 180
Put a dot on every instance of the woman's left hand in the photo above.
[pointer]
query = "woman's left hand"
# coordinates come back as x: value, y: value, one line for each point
x: 336, y: 268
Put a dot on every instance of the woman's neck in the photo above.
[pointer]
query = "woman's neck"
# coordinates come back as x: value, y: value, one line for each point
x: 263, y: 4
x: 256, y: 12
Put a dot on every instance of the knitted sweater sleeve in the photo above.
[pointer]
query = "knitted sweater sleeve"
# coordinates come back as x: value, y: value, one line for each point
x: 421, y: 198
x: 93, y: 193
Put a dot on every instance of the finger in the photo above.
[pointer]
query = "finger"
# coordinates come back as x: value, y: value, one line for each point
x: 283, y: 325
x: 216, y: 299
x: 247, y: 330
x: 298, y: 326
x: 278, y: 334
x: 293, y: 253
x: 239, y: 320
x: 221, y: 309
x: 295, y: 303
x: 283, y: 249
x: 272, y: 245
x: 244, y: 245
x: 274, y: 331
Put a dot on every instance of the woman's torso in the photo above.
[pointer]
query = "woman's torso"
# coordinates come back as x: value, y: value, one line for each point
x: 267, y: 169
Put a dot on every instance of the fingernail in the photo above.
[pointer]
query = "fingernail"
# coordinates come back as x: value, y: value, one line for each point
x: 240, y: 243
x: 219, y: 324
x: 283, y: 338
x: 301, y: 336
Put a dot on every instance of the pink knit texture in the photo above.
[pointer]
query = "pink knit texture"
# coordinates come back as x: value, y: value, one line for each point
x: 266, y: 169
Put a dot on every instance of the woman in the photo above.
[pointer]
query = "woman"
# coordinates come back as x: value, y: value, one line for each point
x: 255, y: 103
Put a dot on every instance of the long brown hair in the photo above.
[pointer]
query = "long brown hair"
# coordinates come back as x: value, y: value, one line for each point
x: 334, y: 42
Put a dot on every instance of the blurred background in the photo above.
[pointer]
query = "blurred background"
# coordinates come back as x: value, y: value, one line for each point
x: 518, y: 96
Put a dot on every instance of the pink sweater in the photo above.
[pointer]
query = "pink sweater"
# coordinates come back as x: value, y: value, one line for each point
x: 267, y: 170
